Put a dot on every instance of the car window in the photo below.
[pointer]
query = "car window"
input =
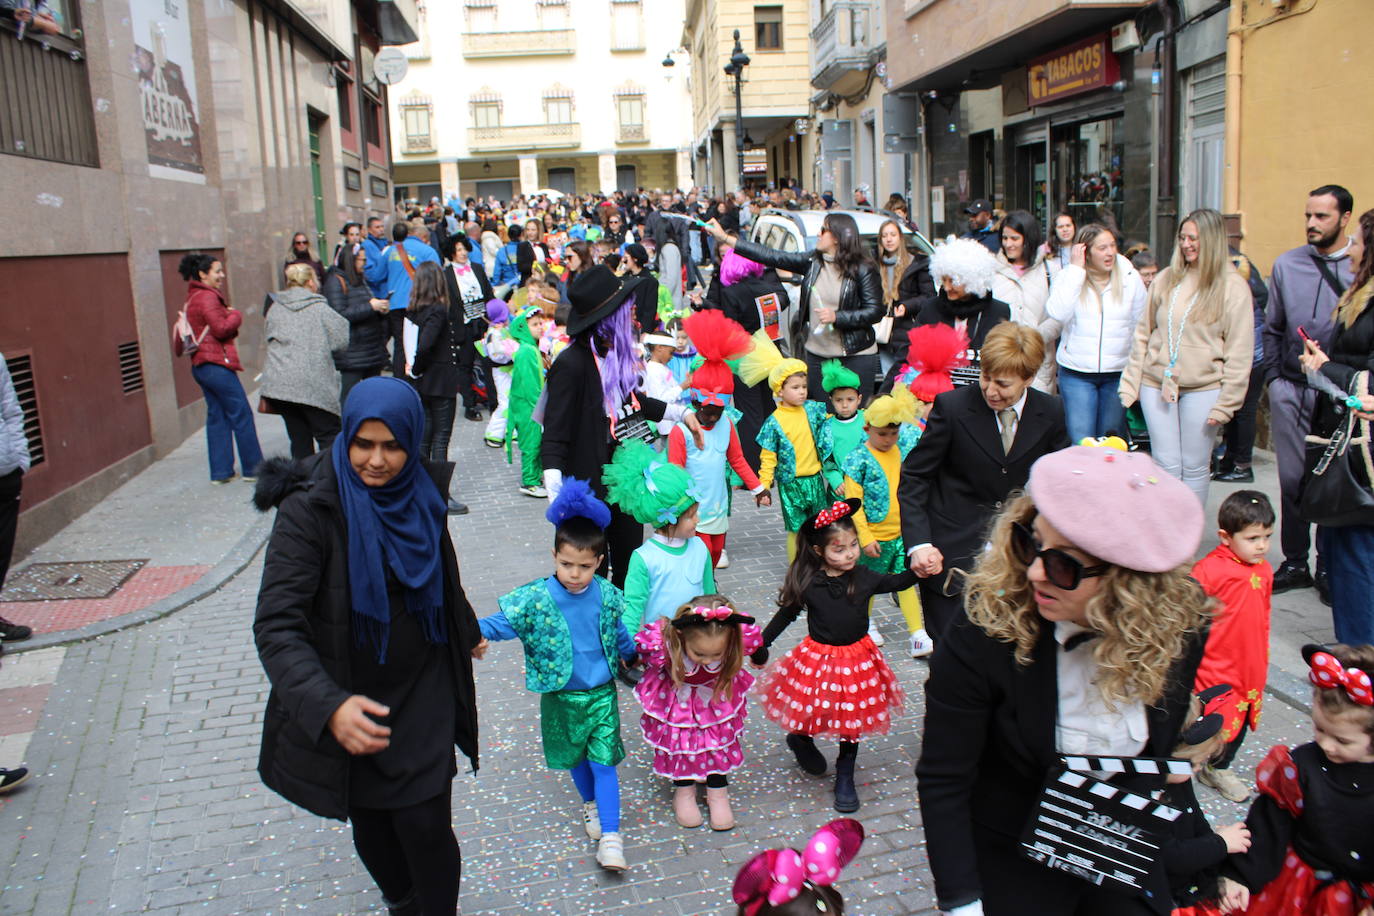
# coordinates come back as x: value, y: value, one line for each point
x: 788, y: 241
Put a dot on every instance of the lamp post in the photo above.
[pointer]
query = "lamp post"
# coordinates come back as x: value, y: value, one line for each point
x: 738, y: 61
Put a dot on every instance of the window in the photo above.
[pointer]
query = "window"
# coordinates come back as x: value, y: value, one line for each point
x: 627, y: 19
x: 767, y: 28
x: 486, y: 109
x: 481, y: 15
x: 372, y: 120
x: 553, y: 14
x: 558, y: 106
x: 629, y: 106
x: 419, y: 50
x: 344, y: 92
x: 417, y: 112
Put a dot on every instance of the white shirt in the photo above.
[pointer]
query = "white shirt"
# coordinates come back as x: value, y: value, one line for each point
x: 1087, y: 723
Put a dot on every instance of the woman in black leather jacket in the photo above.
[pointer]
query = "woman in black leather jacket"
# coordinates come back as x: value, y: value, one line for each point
x: 847, y: 291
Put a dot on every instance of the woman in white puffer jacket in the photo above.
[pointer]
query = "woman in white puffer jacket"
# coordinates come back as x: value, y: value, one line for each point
x: 1022, y: 281
x: 1098, y: 298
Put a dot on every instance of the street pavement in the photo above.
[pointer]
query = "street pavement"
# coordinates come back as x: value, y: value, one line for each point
x: 145, y: 796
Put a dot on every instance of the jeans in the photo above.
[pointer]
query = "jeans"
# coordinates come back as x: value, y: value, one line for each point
x: 887, y: 359
x: 1092, y: 406
x: 1239, y: 435
x: 228, y: 418
x: 865, y: 366
x: 411, y: 851
x: 1348, y: 553
x: 350, y: 377
x: 307, y: 427
x: 1290, y: 420
x: 1180, y: 439
x: 10, y: 485
x: 439, y: 413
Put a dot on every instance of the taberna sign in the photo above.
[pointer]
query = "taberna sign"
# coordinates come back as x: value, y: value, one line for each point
x: 1082, y: 67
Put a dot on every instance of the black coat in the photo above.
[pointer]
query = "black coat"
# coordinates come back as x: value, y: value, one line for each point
x: 304, y: 634
x: 861, y: 296
x: 577, y: 437
x: 472, y: 331
x: 739, y: 301
x: 915, y: 286
x: 435, y: 370
x: 1352, y: 351
x: 982, y: 315
x: 957, y: 476
x: 989, y: 743
x: 367, y: 329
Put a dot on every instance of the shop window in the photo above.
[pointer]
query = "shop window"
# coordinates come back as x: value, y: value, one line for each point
x: 627, y: 25
x: 1087, y: 167
x: 767, y: 28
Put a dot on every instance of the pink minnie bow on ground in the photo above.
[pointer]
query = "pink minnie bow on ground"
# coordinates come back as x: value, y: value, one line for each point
x: 1327, y: 673
x: 779, y: 875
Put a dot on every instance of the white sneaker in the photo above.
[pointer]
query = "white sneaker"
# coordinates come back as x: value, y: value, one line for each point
x: 921, y: 644
x: 536, y: 491
x: 874, y: 635
x: 724, y: 560
x: 591, y: 820
x: 610, y: 853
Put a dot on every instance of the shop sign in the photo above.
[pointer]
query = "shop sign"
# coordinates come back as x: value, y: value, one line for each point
x: 1082, y: 67
x: 164, y: 64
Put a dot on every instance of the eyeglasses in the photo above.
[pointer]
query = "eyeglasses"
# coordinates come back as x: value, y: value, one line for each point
x: 1062, y: 570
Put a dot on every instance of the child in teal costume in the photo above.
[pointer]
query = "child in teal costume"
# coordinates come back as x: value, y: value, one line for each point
x: 526, y: 384
x: 571, y: 627
x: 846, y: 420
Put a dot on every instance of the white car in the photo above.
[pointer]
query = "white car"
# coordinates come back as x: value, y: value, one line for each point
x: 797, y: 230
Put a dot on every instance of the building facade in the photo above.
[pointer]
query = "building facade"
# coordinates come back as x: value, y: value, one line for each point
x: 513, y: 97
x: 237, y: 125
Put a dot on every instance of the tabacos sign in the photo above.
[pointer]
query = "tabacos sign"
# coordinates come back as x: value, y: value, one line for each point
x: 1090, y: 64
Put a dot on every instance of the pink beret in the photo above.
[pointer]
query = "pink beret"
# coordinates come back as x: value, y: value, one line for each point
x: 1118, y: 506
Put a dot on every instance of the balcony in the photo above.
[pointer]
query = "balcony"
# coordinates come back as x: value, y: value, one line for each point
x: 419, y: 143
x: 631, y: 133
x: 843, y: 43
x: 529, y: 43
x: 524, y: 137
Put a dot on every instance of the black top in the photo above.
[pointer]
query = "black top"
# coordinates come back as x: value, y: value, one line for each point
x: 436, y: 350
x: 1333, y: 833
x: 739, y: 301
x: 981, y: 314
x: 1193, y: 852
x: 416, y: 684
x: 367, y: 328
x: 833, y: 617
x: 915, y: 286
x: 1352, y: 351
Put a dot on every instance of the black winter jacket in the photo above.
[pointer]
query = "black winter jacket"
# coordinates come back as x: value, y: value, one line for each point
x: 739, y: 302
x: 367, y: 330
x: 982, y: 315
x: 304, y: 635
x: 861, y: 296
x: 435, y: 371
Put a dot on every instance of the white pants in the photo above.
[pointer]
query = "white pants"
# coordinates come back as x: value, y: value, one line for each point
x: 496, y: 425
x: 1181, y: 442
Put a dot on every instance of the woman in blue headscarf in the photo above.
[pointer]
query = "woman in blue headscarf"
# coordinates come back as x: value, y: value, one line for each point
x: 366, y: 636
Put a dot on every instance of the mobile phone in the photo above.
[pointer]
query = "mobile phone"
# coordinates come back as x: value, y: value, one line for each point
x: 1302, y: 332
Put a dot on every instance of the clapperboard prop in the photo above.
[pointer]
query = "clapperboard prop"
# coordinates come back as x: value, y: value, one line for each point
x: 1098, y: 831
x: 631, y: 424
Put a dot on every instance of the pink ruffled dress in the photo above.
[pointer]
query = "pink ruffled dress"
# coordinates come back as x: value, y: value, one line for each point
x: 692, y: 735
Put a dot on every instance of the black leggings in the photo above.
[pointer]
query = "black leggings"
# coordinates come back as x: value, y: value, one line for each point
x: 412, y: 851
x: 439, y: 413
x: 713, y: 781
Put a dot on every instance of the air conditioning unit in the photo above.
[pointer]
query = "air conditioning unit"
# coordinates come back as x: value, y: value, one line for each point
x: 1125, y: 37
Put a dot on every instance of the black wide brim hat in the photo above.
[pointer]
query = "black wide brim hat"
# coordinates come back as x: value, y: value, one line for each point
x: 594, y: 294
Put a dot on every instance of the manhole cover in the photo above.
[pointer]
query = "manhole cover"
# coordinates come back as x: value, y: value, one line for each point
x: 55, y: 581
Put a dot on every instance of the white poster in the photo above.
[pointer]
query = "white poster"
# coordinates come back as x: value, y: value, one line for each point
x: 166, y: 71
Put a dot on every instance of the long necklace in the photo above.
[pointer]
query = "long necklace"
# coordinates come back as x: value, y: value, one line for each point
x: 1176, y: 343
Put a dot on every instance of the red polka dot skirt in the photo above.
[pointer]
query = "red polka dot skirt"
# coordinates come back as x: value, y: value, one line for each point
x: 841, y: 691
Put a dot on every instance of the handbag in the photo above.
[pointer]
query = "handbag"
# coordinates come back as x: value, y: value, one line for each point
x: 267, y: 405
x: 1332, y: 493
x: 883, y: 329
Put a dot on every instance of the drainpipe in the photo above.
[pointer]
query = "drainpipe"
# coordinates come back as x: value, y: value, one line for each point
x: 1165, y: 61
x: 1230, y: 197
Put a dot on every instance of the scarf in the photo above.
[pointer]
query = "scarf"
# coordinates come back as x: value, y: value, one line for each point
x: 397, y: 526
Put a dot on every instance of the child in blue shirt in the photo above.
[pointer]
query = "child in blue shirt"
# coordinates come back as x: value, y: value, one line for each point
x: 574, y: 639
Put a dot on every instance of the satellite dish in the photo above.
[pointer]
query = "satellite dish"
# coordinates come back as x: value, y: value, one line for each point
x: 390, y: 66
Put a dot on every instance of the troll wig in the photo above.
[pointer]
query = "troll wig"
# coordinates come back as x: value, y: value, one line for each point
x: 765, y: 361
x: 717, y: 339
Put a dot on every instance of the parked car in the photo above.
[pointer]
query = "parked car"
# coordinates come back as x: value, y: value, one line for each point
x: 797, y: 230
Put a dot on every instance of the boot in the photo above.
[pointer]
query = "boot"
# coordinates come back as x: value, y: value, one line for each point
x: 718, y: 802
x: 410, y: 906
x: 685, y: 806
x: 846, y: 796
x: 808, y: 758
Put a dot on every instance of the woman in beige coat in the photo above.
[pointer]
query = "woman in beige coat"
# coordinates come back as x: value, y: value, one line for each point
x: 1022, y: 281
x: 1190, y: 364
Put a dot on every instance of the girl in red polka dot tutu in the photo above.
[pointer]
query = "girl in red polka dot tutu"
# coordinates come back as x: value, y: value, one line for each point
x: 693, y: 693
x: 836, y: 681
x: 1312, y: 827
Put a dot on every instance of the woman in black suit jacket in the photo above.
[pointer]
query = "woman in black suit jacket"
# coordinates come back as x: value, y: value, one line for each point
x: 958, y: 475
x: 1083, y: 636
x: 469, y: 291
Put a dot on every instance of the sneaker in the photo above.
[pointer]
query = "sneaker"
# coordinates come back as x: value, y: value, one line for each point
x: 223, y: 480
x: 724, y: 562
x: 249, y: 478
x: 874, y: 635
x: 921, y: 644
x: 536, y: 491
x: 494, y: 443
x: 1235, y: 475
x: 14, y: 632
x: 456, y: 508
x: 591, y: 820
x: 1291, y: 576
x: 472, y: 413
x: 10, y: 779
x: 610, y: 852
x: 1231, y: 787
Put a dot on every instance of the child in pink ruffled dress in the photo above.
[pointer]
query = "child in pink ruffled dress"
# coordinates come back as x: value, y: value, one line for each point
x: 693, y: 694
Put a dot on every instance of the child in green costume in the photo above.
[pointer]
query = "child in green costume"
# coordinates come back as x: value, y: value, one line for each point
x: 526, y: 384
x: 846, y: 420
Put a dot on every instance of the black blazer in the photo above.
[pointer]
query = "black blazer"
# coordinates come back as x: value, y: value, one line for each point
x: 957, y: 476
x: 989, y: 742
x: 472, y: 331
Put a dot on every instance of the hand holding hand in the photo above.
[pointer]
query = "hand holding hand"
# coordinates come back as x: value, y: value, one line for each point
x: 763, y: 499
x: 927, y: 562
x: 825, y: 315
x: 1234, y: 897
x: 1237, y: 837
x: 1078, y: 255
x: 479, y: 651
x: 353, y: 728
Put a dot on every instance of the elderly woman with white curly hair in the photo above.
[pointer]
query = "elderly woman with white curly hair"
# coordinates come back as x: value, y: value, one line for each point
x: 963, y: 270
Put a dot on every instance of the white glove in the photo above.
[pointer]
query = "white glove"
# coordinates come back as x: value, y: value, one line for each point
x: 553, y: 482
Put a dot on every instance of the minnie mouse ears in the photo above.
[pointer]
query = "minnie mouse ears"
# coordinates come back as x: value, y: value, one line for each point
x: 776, y: 876
x: 1213, y: 700
x: 837, y: 510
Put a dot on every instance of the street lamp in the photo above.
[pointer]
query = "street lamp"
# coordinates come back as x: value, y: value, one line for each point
x: 738, y: 61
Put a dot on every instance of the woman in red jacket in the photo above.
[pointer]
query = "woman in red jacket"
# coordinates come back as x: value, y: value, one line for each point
x: 214, y: 364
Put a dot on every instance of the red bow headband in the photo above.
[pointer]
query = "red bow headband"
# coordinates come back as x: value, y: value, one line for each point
x: 1326, y: 672
x: 779, y: 875
x: 701, y: 616
x: 838, y: 510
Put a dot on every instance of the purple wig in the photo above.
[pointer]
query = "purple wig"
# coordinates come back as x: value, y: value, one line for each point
x: 498, y: 312
x: 736, y: 267
x: 613, y: 338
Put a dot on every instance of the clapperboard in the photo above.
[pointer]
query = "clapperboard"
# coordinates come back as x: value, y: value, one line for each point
x: 967, y: 375
x: 1098, y: 831
x: 630, y: 423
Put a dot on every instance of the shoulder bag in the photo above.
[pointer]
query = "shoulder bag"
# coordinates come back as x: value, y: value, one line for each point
x: 1332, y: 493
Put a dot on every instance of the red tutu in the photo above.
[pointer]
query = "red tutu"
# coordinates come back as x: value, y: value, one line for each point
x: 843, y: 691
x: 1297, y: 890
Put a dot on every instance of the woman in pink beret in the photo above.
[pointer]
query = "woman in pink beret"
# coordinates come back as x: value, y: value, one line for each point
x: 1082, y: 635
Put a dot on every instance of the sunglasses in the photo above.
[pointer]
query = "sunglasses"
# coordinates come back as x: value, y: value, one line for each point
x: 1062, y: 570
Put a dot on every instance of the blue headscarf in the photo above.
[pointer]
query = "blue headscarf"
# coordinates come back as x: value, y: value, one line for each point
x: 397, y: 525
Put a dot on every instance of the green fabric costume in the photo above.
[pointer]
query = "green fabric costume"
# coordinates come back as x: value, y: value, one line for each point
x: 527, y: 382
x: 800, y: 497
x: 847, y: 436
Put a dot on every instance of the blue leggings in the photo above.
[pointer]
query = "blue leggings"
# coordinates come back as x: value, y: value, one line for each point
x: 601, y: 784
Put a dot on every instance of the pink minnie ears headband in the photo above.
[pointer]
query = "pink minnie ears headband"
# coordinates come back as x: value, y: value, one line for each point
x: 1326, y: 672
x: 779, y: 875
x: 701, y: 616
